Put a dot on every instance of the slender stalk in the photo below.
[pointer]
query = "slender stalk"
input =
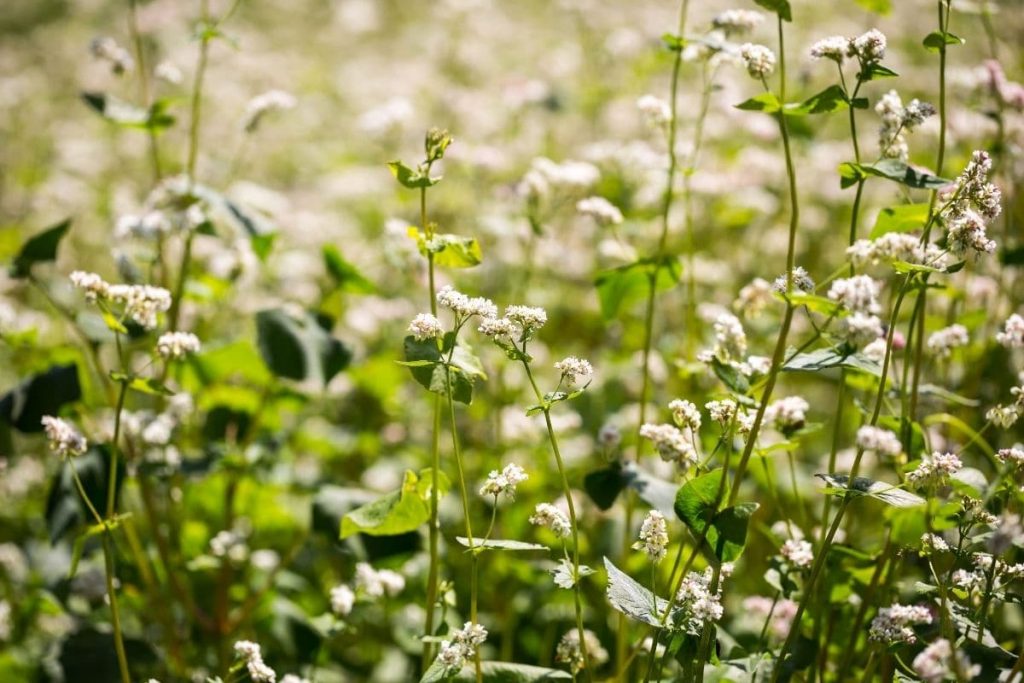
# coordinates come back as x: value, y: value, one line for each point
x: 108, y: 549
x: 144, y: 90
x: 435, y: 460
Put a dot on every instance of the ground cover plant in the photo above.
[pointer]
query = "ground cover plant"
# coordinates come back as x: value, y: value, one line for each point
x: 585, y: 340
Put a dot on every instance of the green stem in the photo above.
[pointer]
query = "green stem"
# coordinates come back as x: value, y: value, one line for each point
x: 144, y: 91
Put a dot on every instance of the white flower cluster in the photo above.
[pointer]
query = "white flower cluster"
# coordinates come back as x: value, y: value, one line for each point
x: 697, y: 605
x: 934, y: 663
x: 787, y: 414
x: 568, y: 651
x: 63, y: 438
x: 462, y: 647
x: 466, y: 307
x: 933, y: 543
x: 1014, y: 456
x: 108, y: 50
x: 343, y: 599
x: 376, y: 583
x: 653, y: 536
x: 730, y: 338
x: 1012, y: 336
x: 881, y: 441
x: 894, y: 246
x: 261, y: 105
x: 519, y: 324
x: 934, y: 470
x: 672, y: 444
x: 655, y: 110
x: 600, y: 209
x: 858, y: 295
x: 897, y: 120
x: 250, y: 653
x: 141, y: 303
x: 230, y: 544
x: 546, y: 514
x: 971, y: 203
x: 530, y: 318
x: 758, y: 60
x: 722, y: 411
x: 836, y: 48
x: 573, y: 369
x: 504, y: 482
x: 798, y: 552
x: 425, y: 326
x: 894, y: 624
x: 176, y: 345
x: 685, y: 414
x: 546, y: 177
x: 802, y: 281
x: 942, y: 342
x: 868, y: 47
x: 737, y: 20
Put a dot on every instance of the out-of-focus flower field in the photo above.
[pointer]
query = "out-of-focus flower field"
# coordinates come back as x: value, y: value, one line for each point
x: 377, y: 340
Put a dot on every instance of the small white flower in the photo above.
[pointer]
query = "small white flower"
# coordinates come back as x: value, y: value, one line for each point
x: 653, y: 536
x: 685, y: 414
x: 527, y: 317
x: 656, y: 111
x: 546, y: 514
x: 881, y: 441
x: 504, y: 482
x: 942, y: 342
x: 758, y: 60
x: 64, y: 439
x: 1012, y: 336
x: 722, y: 411
x: 108, y: 50
x: 671, y: 443
x: 934, y: 470
x: 343, y: 599
x: 569, y: 652
x: 737, y: 20
x: 600, y: 209
x: 176, y: 345
x: 787, y: 414
x: 835, y: 48
x: 425, y: 326
x: 893, y: 624
x: 869, y: 47
x: 798, y: 553
x: 573, y: 369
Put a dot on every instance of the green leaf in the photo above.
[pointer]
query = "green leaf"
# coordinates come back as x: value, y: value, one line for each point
x: 409, y: 177
x: 903, y: 218
x: 657, y: 493
x: 696, y: 501
x: 875, y: 71
x: 780, y: 7
x: 819, y: 304
x: 142, y: 384
x: 827, y: 101
x: 40, y: 248
x: 450, y: 251
x: 673, y: 42
x: 604, y: 485
x: 126, y: 114
x: 725, y: 531
x: 427, y: 365
x: 500, y: 544
x: 112, y: 322
x: 882, y: 7
x: 900, y: 172
x: 295, y: 346
x: 345, y: 275
x: 43, y: 394
x: 731, y: 377
x: 887, y: 493
x: 850, y: 174
x: 936, y: 41
x: 824, y: 359
x: 625, y: 284
x: 510, y: 672
x: 730, y: 531
x: 395, y: 513
x: 632, y: 599
x: 79, y: 546
x: 766, y: 102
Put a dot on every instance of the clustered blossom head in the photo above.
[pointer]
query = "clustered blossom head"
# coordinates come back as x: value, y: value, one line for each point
x: 970, y: 203
x: 685, y: 414
x: 672, y: 444
x: 546, y: 177
x: 466, y: 307
x: 261, y: 105
x: 376, y: 583
x: 857, y: 293
x: 252, y: 656
x: 787, y: 414
x: 547, y: 515
x: 722, y: 411
x: 894, y: 624
x: 934, y: 663
x: 425, y: 326
x: 734, y: 21
x: 697, y: 605
x: 655, y: 110
x: 574, y: 369
x: 343, y: 599
x: 802, y: 282
x: 1012, y: 335
x: 653, y: 536
x: 64, y: 439
x: 933, y: 543
x: 177, y: 345
x: 868, y: 47
x: 528, y: 318
x: 934, y: 470
x: 942, y: 342
x: 730, y: 338
x: 897, y: 120
x: 836, y: 48
x: 894, y: 246
x: 881, y: 441
x: 107, y: 49
x: 570, y: 653
x: 462, y: 647
x: 504, y: 482
x: 758, y: 60
x: 798, y: 552
x: 141, y: 303
x: 1013, y: 456
x: 230, y: 544
x: 600, y: 209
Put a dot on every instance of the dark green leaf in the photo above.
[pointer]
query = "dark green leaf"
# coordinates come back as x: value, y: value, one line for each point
x: 697, y: 500
x: 780, y: 7
x: 42, y: 394
x: 731, y: 377
x: 824, y: 359
x: 125, y: 114
x: 766, y: 102
x: 827, y: 101
x: 936, y: 41
x: 297, y: 347
x: 345, y: 275
x: 40, y: 248
x: 409, y: 177
x: 604, y: 486
x: 875, y: 71
x: 427, y: 365
x: 730, y: 527
x: 142, y: 384
x: 887, y: 493
x: 900, y: 172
